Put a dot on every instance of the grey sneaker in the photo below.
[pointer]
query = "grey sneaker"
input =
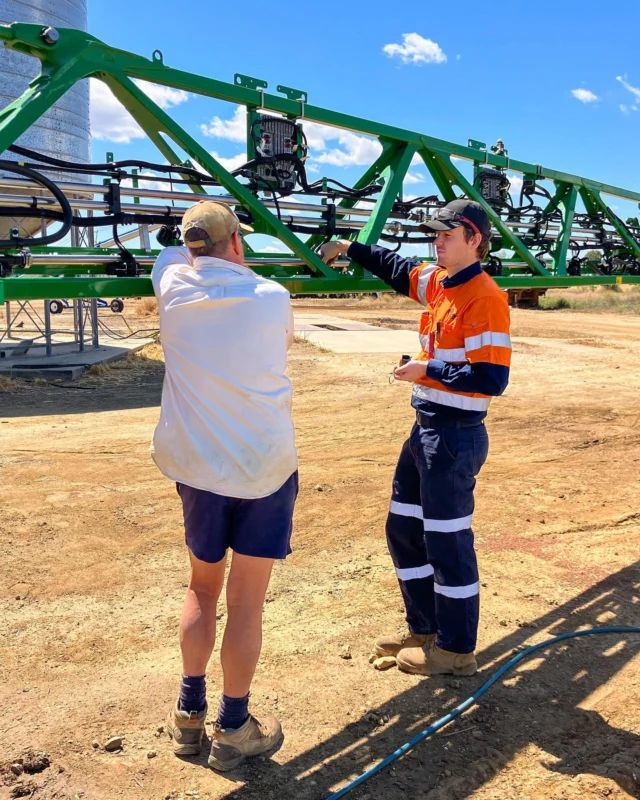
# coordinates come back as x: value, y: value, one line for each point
x: 391, y: 645
x: 230, y: 746
x: 186, y: 728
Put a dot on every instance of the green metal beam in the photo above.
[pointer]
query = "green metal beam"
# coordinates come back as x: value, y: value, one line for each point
x: 394, y: 175
x: 78, y: 55
x: 616, y: 223
x: 371, y: 174
x: 27, y: 109
x: 567, y: 199
x: 53, y: 288
x: 589, y: 202
x: 439, y: 176
x: 509, y: 239
x: 96, y: 57
x: 122, y: 87
x: 132, y: 97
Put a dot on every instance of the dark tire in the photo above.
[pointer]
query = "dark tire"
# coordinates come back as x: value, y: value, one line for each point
x: 117, y: 306
x: 56, y: 306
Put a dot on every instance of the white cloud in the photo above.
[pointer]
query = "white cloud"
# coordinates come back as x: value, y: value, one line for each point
x: 415, y: 49
x: 318, y: 134
x: 356, y: 150
x: 623, y: 108
x: 279, y: 248
x: 164, y: 96
x: 359, y: 150
x: 584, y: 95
x: 154, y: 184
x: 458, y: 57
x: 515, y: 187
x: 230, y: 163
x: 352, y: 150
x: 109, y: 119
x: 414, y: 177
x: 634, y: 91
x: 112, y: 122
x: 234, y: 129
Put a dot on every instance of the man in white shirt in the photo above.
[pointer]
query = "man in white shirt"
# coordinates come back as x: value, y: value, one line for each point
x: 226, y: 437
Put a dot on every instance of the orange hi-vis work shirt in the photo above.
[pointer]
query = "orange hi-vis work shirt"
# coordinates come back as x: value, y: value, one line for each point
x: 464, y: 332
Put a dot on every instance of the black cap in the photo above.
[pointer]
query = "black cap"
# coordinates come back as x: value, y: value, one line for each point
x: 459, y: 212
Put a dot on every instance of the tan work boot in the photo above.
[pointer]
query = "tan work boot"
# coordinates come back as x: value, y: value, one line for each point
x: 436, y: 661
x: 230, y: 746
x: 186, y: 728
x: 393, y: 644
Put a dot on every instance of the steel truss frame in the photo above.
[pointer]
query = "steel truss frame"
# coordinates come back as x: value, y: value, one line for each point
x: 85, y: 327
x: 73, y: 56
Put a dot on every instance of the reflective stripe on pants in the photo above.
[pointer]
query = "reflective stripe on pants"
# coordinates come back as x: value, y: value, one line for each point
x: 429, y: 532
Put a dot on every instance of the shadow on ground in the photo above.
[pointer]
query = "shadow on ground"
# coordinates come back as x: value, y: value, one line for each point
x: 535, y: 704
x: 132, y: 383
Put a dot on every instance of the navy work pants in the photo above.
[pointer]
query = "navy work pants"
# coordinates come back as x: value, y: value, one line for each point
x: 429, y: 532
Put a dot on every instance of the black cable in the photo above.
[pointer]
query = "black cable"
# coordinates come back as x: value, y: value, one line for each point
x: 67, y: 212
x: 276, y: 204
x: 369, y: 189
x: 127, y: 258
x: 409, y: 239
x: 322, y: 229
x: 115, y: 169
x: 69, y: 166
x: 123, y: 218
x: 114, y: 335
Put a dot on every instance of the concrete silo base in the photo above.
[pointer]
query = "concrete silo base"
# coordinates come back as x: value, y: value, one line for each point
x: 65, y: 364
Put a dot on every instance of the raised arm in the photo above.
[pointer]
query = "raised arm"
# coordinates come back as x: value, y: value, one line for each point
x: 407, y: 276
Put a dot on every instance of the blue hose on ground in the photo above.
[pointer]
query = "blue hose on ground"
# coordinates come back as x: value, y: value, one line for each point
x: 470, y: 701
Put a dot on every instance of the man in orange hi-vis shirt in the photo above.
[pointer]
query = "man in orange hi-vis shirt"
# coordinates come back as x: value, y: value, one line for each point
x: 464, y: 362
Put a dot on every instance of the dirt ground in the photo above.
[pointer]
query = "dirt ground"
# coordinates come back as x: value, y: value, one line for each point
x: 94, y: 569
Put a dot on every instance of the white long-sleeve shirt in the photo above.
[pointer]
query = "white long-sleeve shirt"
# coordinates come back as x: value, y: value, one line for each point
x: 225, y: 423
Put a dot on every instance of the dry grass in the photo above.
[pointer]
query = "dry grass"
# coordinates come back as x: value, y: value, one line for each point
x: 147, y: 307
x: 385, y: 300
x: 139, y: 359
x: 100, y: 369
x: 614, y: 299
x: 382, y: 301
x: 302, y: 338
x: 150, y: 352
x: 10, y: 384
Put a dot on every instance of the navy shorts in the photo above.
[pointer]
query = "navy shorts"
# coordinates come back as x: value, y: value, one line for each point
x: 261, y: 527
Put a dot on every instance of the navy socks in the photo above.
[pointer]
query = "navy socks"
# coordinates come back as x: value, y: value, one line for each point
x: 233, y: 712
x: 193, y: 693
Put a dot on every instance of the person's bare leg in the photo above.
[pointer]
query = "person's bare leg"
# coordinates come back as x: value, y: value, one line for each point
x: 185, y: 723
x: 237, y: 734
x: 198, y: 620
x: 246, y: 589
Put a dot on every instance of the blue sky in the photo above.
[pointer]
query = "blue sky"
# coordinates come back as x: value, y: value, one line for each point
x: 545, y: 77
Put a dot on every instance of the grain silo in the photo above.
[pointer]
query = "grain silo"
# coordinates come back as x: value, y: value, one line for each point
x: 63, y: 132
